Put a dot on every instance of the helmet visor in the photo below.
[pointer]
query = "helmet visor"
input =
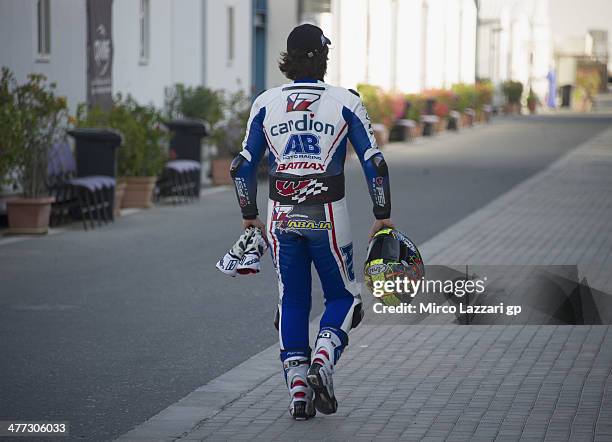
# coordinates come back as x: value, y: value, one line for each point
x: 389, y: 249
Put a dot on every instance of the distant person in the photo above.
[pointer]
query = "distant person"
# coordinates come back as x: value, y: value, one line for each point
x: 551, y: 96
x: 305, y: 126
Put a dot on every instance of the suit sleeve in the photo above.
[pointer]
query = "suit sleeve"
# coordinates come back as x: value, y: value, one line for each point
x: 244, y: 166
x: 361, y: 136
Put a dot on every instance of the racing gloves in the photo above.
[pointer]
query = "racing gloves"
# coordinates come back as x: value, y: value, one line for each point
x: 245, y: 255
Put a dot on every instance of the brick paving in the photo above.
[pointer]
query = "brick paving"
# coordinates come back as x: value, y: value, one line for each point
x: 453, y: 382
x: 560, y: 216
x: 447, y: 383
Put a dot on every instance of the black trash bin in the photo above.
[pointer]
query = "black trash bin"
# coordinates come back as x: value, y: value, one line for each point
x: 566, y: 95
x: 429, y: 106
x: 186, y: 142
x: 96, y: 172
x: 96, y: 151
x: 428, y: 118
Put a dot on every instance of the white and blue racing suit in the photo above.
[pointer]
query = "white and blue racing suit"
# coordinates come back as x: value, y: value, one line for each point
x: 306, y: 126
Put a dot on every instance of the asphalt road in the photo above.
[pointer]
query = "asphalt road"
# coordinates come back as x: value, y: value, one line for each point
x: 106, y: 328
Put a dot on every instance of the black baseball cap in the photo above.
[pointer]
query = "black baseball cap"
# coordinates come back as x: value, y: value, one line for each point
x: 307, y: 38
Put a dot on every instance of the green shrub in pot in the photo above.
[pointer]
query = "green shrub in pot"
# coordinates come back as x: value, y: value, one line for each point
x: 466, y: 96
x: 143, y: 153
x: 379, y: 104
x: 513, y: 91
x: 11, y: 130
x: 32, y: 120
x: 143, y: 150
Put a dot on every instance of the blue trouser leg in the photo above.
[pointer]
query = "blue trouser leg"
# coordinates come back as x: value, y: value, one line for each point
x: 338, y: 300
x: 295, y: 290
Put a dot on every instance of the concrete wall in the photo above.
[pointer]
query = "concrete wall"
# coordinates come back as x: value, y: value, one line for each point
x: 66, y: 64
x: 282, y: 18
x: 570, y: 21
x: 376, y: 41
x: 405, y: 45
x: 521, y: 27
x: 220, y: 72
x: 175, y: 48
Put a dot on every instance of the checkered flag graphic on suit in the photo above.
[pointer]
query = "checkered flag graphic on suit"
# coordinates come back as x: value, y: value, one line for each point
x: 313, y: 188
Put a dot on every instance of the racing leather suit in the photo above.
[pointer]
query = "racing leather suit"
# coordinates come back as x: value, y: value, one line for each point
x: 306, y: 126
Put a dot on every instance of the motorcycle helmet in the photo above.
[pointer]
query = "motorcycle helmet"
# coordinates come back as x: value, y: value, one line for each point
x: 392, y: 255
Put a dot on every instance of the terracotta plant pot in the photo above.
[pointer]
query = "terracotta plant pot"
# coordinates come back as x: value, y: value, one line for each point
x: 139, y: 192
x: 119, y: 194
x: 221, y: 171
x: 381, y: 134
x: 531, y: 105
x: 29, y: 216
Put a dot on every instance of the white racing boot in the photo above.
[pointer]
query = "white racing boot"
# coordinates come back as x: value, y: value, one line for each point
x: 327, y: 350
x: 301, y: 406
x: 254, y: 250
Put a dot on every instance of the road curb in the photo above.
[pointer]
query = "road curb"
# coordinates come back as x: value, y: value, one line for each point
x: 180, y: 418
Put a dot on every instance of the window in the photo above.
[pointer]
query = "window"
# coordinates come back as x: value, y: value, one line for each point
x: 308, y: 8
x: 230, y: 33
x: 44, y: 28
x: 144, y: 30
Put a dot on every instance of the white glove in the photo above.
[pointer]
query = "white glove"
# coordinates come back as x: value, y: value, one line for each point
x: 244, y: 256
x: 255, y: 248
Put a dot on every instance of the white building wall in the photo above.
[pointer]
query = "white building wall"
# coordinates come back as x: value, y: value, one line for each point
x: 380, y: 50
x: 66, y: 64
x: 174, y: 49
x: 467, y: 72
x: 349, y: 48
x: 435, y: 44
x: 282, y: 18
x: 381, y: 42
x: 409, y: 46
x: 187, y: 47
x: 220, y: 72
x: 523, y: 29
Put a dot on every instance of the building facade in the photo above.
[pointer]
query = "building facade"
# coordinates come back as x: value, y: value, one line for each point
x: 404, y: 45
x: 155, y: 43
x: 534, y: 40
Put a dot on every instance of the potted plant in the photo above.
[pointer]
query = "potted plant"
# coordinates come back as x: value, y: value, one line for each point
x: 513, y: 91
x: 532, y: 101
x: 32, y: 118
x: 228, y: 135
x: 208, y: 105
x: 484, y: 98
x: 441, y: 110
x: 414, y: 107
x: 588, y: 83
x: 466, y: 102
x: 380, y: 107
x: 142, y: 156
x: 141, y: 161
x: 11, y: 136
x: 439, y: 102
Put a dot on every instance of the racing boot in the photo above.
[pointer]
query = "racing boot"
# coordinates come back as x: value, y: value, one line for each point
x: 301, y: 406
x: 327, y: 351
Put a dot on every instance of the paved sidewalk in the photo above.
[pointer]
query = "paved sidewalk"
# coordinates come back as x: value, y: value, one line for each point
x: 560, y: 216
x: 451, y: 382
x: 447, y: 382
